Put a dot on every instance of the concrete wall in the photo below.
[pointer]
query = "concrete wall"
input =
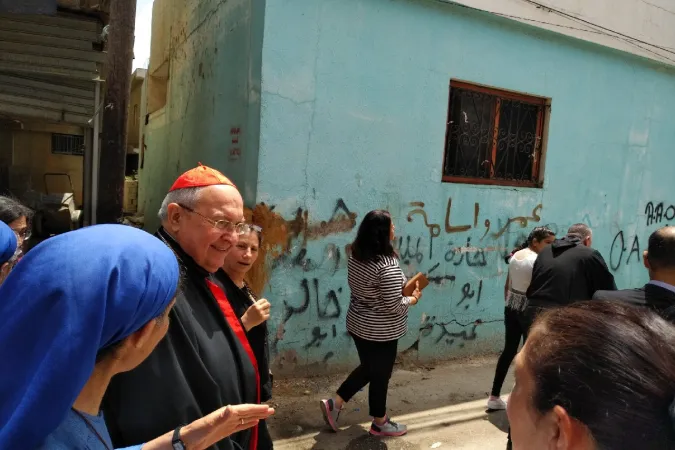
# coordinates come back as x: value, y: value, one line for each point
x: 207, y: 54
x: 33, y: 157
x: 354, y: 108
x: 619, y: 24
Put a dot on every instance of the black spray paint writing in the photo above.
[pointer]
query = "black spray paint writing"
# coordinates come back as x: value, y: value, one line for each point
x: 330, y: 307
x: 331, y: 260
x: 619, y: 250
x: 657, y: 213
x: 430, y: 322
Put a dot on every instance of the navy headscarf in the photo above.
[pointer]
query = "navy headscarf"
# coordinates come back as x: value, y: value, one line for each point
x: 8, y: 243
x: 67, y: 299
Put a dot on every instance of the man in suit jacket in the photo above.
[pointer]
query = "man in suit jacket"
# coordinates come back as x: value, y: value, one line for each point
x: 659, y: 293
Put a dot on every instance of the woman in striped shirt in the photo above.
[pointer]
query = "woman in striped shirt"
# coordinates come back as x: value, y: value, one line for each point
x: 376, y: 320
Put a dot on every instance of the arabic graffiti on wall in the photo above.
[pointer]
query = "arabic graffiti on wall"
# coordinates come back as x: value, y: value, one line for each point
x: 435, y: 228
x: 305, y: 276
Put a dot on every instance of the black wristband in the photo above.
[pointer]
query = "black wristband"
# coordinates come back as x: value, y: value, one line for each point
x: 176, y: 442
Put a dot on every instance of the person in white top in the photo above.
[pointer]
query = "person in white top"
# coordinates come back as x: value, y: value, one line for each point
x: 518, y: 280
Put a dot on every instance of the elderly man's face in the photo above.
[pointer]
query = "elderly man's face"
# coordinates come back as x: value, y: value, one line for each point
x: 194, y: 229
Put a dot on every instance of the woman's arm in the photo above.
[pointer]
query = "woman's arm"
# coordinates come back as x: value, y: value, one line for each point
x: 256, y: 314
x: 390, y: 291
x: 208, y: 430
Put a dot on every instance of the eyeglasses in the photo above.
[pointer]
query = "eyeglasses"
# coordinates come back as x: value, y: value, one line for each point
x: 24, y: 234
x: 254, y: 228
x: 222, y: 224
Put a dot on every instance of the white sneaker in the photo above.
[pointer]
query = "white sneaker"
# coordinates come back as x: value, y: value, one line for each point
x: 496, y: 403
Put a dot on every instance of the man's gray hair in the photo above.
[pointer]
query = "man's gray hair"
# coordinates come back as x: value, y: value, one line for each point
x: 581, y: 230
x: 187, y: 197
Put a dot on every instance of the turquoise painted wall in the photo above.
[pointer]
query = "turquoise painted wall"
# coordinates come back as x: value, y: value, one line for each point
x: 354, y: 105
x: 213, y: 97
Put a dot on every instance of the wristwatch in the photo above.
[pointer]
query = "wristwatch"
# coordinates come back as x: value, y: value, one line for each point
x: 176, y: 442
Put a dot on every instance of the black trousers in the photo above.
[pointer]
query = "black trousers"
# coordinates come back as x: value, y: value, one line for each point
x: 377, y: 364
x: 264, y: 438
x: 514, y: 333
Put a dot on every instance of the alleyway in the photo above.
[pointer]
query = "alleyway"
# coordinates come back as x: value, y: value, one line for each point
x: 444, y: 408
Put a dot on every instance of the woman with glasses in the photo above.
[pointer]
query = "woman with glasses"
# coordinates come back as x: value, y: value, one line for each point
x: 252, y: 311
x: 8, y: 246
x: 18, y: 217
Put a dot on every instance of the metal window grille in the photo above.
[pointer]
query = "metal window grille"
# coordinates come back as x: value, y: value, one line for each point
x: 67, y: 144
x: 493, y: 136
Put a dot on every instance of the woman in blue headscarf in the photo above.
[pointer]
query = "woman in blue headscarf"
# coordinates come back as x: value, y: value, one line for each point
x: 76, y: 310
x: 8, y: 245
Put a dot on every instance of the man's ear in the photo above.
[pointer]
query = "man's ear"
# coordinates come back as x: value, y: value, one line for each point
x: 174, y: 216
x: 645, y: 260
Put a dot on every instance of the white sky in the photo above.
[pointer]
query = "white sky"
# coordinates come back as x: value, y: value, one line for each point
x: 143, y: 27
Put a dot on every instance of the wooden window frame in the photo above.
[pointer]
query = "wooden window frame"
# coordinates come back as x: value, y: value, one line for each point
x: 542, y: 118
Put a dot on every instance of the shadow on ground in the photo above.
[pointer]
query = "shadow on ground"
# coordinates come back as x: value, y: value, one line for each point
x: 412, y: 390
x: 359, y: 439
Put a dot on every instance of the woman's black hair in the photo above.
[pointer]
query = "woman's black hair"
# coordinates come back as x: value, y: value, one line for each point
x: 538, y: 233
x: 374, y: 237
x: 11, y: 210
x: 611, y: 366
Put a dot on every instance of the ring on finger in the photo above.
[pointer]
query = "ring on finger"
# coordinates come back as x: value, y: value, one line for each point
x: 242, y: 421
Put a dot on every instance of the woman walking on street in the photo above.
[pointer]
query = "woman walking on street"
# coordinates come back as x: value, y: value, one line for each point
x: 517, y: 282
x: 377, y: 318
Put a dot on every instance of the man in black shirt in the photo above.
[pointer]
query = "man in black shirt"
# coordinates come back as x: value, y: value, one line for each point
x: 567, y: 271
x: 659, y: 293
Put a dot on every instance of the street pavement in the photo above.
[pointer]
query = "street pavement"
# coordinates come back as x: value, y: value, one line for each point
x: 443, y: 406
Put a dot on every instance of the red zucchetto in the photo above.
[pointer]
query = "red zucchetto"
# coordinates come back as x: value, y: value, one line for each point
x: 200, y: 176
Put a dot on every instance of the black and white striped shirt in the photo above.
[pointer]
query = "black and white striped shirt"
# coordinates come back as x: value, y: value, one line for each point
x: 378, y: 311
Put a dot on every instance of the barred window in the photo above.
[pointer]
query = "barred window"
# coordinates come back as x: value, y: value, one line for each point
x: 67, y: 144
x: 493, y: 136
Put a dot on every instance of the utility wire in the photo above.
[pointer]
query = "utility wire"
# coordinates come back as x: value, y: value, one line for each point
x: 579, y: 19
x: 538, y: 21
x: 657, y: 6
x: 617, y: 35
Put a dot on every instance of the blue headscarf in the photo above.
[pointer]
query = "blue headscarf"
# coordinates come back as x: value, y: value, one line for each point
x: 68, y: 298
x: 8, y: 243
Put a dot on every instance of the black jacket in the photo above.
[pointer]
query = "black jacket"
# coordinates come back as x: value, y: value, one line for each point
x: 240, y: 300
x: 567, y: 271
x: 198, y: 367
x: 659, y: 299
